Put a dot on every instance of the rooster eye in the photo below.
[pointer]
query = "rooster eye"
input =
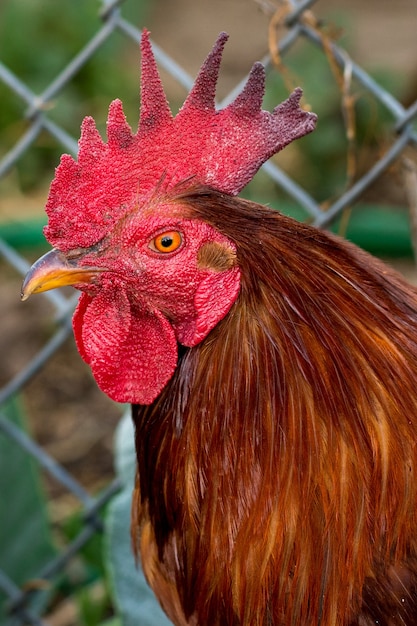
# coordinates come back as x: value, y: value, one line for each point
x: 166, y: 242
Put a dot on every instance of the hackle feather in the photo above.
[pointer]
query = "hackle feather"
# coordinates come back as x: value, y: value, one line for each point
x: 277, y: 470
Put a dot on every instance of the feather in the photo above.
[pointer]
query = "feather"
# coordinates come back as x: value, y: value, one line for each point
x: 279, y: 463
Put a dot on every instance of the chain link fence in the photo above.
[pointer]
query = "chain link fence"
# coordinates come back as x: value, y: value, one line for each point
x: 289, y: 23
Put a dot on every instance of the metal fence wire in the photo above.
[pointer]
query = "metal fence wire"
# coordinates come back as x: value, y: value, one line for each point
x: 298, y: 23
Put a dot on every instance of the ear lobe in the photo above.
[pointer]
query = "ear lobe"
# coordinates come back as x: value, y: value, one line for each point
x: 216, y: 256
x: 213, y: 299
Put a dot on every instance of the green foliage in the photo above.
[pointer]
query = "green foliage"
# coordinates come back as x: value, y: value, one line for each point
x: 27, y: 542
x: 38, y: 38
x: 93, y: 604
x: 85, y: 579
x: 91, y: 552
x: 25, y: 535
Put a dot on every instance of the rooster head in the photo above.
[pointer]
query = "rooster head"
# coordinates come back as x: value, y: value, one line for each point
x: 151, y: 275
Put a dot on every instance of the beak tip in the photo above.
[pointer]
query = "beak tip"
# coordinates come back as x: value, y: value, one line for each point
x: 27, y: 287
x: 24, y: 292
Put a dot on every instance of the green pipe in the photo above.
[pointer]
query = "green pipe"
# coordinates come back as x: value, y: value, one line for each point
x: 27, y: 234
x: 382, y: 230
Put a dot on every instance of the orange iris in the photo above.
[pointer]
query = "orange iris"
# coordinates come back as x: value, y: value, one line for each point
x: 167, y: 242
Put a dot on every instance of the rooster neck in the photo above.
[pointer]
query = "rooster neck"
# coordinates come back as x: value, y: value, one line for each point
x: 201, y: 449
x: 274, y: 448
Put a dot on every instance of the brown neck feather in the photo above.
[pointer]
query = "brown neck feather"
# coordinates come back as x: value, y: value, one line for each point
x: 280, y: 458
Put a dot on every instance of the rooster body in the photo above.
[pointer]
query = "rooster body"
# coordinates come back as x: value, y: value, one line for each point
x: 271, y: 367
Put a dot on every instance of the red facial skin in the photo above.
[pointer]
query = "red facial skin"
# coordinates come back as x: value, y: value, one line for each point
x: 131, y: 317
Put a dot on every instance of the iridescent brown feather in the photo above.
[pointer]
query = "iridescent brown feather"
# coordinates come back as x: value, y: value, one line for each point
x: 277, y: 470
x: 277, y: 464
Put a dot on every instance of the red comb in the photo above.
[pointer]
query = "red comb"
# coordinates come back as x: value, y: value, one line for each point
x: 222, y: 149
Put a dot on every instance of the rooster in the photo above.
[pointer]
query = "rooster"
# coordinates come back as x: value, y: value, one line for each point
x: 271, y: 367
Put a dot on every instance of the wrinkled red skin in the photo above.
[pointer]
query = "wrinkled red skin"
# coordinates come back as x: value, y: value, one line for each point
x: 128, y: 323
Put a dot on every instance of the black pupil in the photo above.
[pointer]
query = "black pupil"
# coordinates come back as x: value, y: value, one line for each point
x: 166, y: 242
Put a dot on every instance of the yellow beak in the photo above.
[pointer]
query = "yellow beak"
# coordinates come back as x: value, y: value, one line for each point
x: 53, y: 270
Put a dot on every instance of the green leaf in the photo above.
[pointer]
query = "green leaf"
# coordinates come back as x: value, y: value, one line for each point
x: 114, y: 621
x: 93, y: 604
x: 25, y: 537
x: 133, y: 597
